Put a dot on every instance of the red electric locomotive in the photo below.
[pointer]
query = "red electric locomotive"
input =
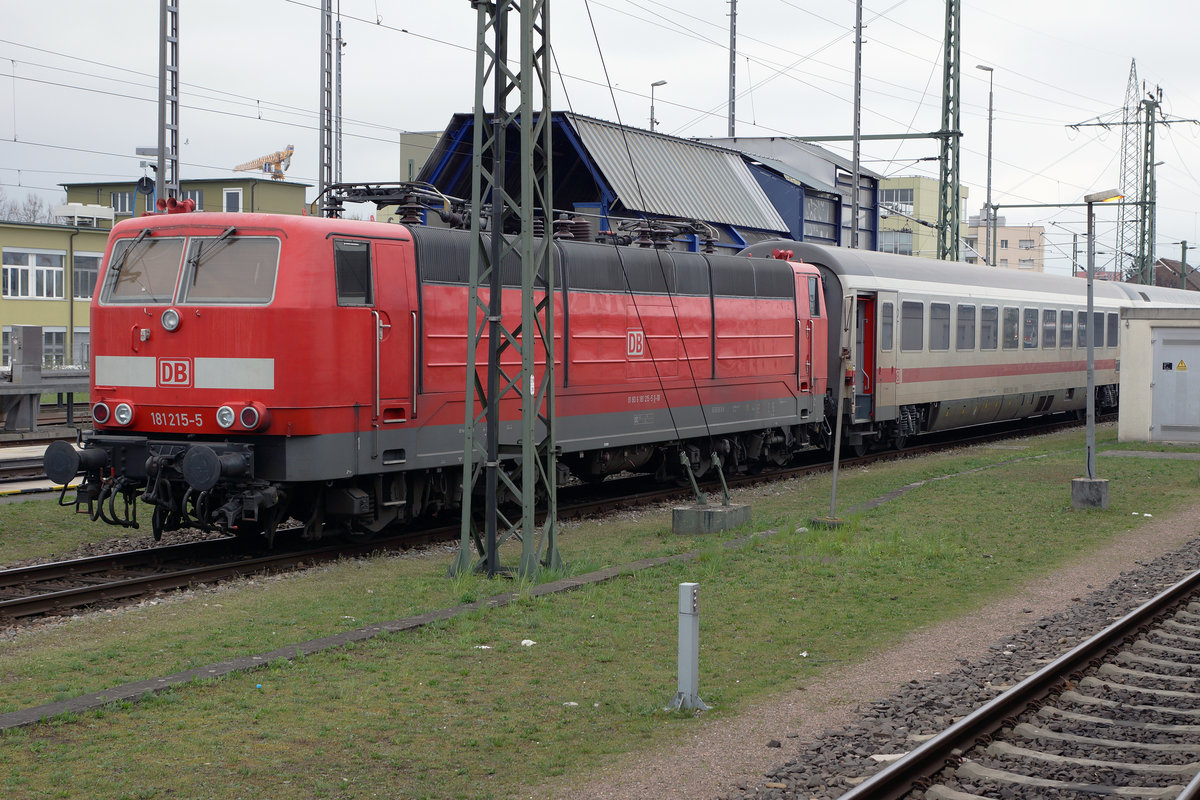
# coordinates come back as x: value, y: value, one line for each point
x: 248, y: 368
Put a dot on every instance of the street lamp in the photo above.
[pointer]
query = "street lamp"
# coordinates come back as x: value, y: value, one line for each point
x: 1092, y: 492
x: 654, y: 85
x: 987, y: 224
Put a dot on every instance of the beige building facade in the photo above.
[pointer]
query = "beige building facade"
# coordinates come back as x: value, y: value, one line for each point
x: 908, y: 215
x: 1016, y: 246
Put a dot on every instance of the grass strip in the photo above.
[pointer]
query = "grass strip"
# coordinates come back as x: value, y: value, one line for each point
x: 459, y: 709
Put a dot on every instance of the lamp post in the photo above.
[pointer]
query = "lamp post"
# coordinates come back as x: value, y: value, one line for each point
x: 1092, y: 493
x: 987, y: 224
x: 653, y: 86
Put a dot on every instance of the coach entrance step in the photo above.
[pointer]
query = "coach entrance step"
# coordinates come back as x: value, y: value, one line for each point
x: 697, y: 519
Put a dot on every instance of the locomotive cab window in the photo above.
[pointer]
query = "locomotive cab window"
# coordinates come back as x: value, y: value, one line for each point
x: 989, y: 328
x: 965, y: 337
x: 912, y: 324
x: 230, y: 269
x: 352, y: 265
x: 1029, y: 328
x: 939, y: 326
x: 814, y: 298
x: 885, y: 326
x: 1049, y: 328
x: 1011, y: 333
x: 143, y: 270
x: 1066, y: 329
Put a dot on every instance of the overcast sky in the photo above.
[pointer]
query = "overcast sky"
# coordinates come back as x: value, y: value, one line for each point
x: 78, y: 87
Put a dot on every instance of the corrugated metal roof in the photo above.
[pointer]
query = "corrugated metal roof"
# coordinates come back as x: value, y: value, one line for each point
x: 676, y: 177
x: 795, y: 173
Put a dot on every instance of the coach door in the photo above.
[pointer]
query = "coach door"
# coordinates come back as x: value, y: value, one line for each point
x: 864, y: 358
x: 885, y: 355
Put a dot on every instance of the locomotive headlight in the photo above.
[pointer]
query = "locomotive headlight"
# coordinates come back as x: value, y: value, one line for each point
x: 226, y: 416
x: 170, y: 319
x: 101, y: 413
x: 123, y: 414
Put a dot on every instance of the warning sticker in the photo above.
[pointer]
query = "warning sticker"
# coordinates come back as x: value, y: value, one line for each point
x: 1181, y: 366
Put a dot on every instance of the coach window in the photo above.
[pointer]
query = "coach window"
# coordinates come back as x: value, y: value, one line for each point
x: 912, y: 323
x: 814, y: 297
x: 1113, y: 327
x: 1011, y: 334
x: 965, y: 339
x: 939, y: 326
x: 1098, y: 328
x: 1029, y: 330
x: 1066, y: 329
x: 1081, y: 329
x: 352, y: 265
x: 885, y: 326
x: 989, y: 326
x: 1049, y: 328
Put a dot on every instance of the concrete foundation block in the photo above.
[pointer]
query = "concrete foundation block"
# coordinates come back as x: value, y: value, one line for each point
x: 1089, y: 493
x: 695, y: 519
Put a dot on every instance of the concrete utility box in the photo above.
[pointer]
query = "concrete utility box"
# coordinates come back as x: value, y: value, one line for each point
x: 1160, y: 375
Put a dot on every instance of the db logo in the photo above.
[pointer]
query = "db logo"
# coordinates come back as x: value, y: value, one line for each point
x: 635, y: 343
x: 174, y: 372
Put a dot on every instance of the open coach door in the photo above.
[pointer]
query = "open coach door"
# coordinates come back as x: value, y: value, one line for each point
x: 863, y: 336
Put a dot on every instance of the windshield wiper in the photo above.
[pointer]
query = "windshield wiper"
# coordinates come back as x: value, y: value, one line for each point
x: 198, y: 256
x: 116, y: 271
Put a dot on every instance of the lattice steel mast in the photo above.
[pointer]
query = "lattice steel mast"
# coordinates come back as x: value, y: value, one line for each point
x: 325, y: 123
x: 167, y: 172
x: 948, y: 181
x: 490, y: 445
x: 1131, y: 177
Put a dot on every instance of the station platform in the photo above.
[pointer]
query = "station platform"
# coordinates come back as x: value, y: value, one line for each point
x: 21, y: 458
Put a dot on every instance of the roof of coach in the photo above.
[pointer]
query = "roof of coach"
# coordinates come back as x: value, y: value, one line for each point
x: 873, y: 268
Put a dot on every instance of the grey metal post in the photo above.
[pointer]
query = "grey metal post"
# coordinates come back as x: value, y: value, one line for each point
x: 857, y: 121
x: 1091, y: 344
x: 732, y: 63
x: 988, y: 203
x: 688, y: 694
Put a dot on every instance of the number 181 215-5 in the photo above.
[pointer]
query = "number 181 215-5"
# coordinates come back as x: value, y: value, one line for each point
x: 176, y: 419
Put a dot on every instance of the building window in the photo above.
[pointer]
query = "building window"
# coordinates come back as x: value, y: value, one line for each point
x: 54, y: 347
x: 33, y: 273
x: 1004, y: 263
x: 898, y: 199
x: 81, y: 347
x: 196, y: 196
x: 122, y: 202
x: 1025, y: 244
x: 83, y: 275
x: 820, y: 219
x: 1025, y: 263
x: 4, y: 348
x: 895, y: 241
x: 1004, y: 244
x: 232, y: 199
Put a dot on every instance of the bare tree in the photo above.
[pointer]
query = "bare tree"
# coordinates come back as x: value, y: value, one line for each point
x: 30, y: 209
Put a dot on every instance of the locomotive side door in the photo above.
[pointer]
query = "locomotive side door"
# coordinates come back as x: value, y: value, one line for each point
x: 864, y: 358
x: 395, y: 328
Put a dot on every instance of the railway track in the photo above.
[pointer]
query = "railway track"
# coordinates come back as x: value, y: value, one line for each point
x: 1117, y: 716
x: 59, y: 587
